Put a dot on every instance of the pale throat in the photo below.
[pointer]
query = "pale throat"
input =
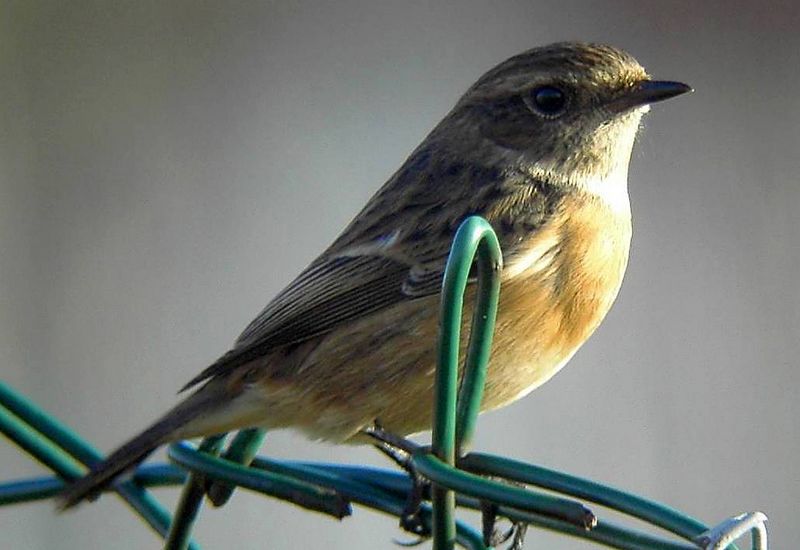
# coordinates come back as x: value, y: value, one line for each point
x: 608, y: 181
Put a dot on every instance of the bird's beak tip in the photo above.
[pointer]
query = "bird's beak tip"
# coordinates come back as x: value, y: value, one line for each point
x: 659, y: 90
x: 647, y: 92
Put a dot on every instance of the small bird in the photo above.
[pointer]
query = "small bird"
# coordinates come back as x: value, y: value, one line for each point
x: 539, y: 146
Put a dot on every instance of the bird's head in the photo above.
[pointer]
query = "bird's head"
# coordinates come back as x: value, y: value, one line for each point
x: 568, y: 112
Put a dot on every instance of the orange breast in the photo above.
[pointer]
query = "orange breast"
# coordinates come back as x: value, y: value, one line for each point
x: 382, y: 367
x: 548, y: 310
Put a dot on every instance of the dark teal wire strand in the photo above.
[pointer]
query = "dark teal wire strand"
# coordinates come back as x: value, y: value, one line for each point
x: 44, y: 487
x: 42, y: 449
x: 654, y: 513
x: 191, y: 499
x: 465, y: 483
x: 300, y: 492
x: 349, y: 488
x: 48, y: 426
x: 242, y: 450
x: 58, y: 447
x: 29, y: 490
x: 382, y: 490
x: 331, y: 477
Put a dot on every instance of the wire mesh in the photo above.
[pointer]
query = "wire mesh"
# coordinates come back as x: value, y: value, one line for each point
x: 459, y: 478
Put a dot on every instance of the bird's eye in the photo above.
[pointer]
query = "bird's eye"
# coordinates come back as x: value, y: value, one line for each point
x: 548, y: 101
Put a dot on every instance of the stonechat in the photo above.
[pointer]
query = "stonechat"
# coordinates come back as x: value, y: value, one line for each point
x: 540, y: 147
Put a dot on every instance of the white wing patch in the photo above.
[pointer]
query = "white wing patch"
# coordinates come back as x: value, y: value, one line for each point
x: 536, y: 258
x: 377, y: 247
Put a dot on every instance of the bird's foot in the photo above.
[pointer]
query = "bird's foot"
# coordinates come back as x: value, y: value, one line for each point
x: 387, y: 439
x: 400, y: 451
x: 493, y: 538
x: 411, y: 518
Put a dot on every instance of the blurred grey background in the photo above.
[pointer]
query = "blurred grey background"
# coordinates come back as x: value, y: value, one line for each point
x: 166, y: 167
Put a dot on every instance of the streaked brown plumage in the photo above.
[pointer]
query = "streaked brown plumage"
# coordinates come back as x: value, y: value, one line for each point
x: 539, y: 146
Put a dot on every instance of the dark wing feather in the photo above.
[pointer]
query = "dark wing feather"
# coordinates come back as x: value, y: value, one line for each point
x: 328, y: 293
x: 331, y: 292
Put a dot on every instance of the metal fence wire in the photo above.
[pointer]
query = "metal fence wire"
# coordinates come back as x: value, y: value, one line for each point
x: 499, y: 487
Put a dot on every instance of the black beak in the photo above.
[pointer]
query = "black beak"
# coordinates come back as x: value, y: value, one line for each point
x: 645, y: 93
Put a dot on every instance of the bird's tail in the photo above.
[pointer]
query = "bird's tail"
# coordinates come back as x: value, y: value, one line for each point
x: 192, y: 417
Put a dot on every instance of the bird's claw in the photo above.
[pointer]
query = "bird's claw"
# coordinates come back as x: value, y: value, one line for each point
x: 520, y: 530
x: 492, y: 537
x: 411, y: 518
x: 400, y: 450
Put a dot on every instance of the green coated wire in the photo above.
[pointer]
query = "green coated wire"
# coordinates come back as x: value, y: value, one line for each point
x: 48, y: 426
x: 29, y: 490
x: 651, y: 512
x: 60, y: 449
x: 362, y: 486
x: 345, y: 485
x: 242, y: 450
x: 605, y: 532
x: 46, y: 452
x: 474, y: 240
x: 300, y: 492
x: 329, y: 479
x: 44, y: 487
x: 391, y: 483
x: 191, y: 498
x: 489, y: 261
x: 486, y: 490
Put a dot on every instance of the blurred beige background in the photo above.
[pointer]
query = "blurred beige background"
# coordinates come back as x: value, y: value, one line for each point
x: 166, y: 167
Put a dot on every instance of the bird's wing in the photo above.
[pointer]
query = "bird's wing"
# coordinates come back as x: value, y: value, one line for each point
x: 335, y: 289
x: 395, y: 250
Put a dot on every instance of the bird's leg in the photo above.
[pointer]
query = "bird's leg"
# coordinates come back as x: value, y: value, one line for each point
x: 491, y: 537
x: 411, y: 518
x: 488, y: 521
x: 400, y: 451
x: 380, y: 435
x: 520, y: 529
x: 494, y: 538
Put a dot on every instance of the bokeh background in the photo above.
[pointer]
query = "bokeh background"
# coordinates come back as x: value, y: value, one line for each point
x: 166, y: 167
